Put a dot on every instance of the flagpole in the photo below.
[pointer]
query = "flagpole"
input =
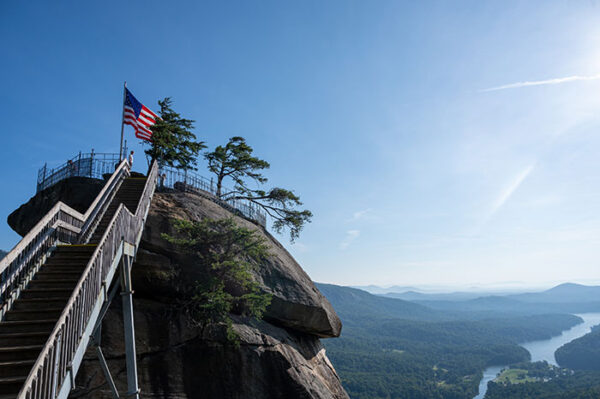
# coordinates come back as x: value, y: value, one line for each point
x: 122, y: 121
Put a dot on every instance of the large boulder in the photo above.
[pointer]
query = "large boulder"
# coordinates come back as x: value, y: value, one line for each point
x: 279, y: 357
x: 77, y: 192
x: 296, y: 302
x: 177, y: 361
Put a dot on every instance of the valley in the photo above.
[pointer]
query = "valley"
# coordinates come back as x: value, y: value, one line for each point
x: 393, y: 348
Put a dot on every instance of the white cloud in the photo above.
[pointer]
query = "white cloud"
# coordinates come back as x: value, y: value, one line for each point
x: 351, y: 235
x: 361, y: 214
x: 509, y: 191
x: 554, y: 81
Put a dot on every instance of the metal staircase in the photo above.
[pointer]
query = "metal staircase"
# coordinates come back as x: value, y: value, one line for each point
x: 54, y: 289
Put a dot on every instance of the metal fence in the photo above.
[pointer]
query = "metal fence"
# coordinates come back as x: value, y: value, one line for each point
x: 56, y: 367
x: 91, y: 164
x: 95, y: 165
x: 178, y: 180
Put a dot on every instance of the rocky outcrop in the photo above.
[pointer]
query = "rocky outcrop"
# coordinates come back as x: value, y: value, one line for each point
x: 296, y: 302
x: 176, y: 361
x: 278, y: 357
x: 77, y: 192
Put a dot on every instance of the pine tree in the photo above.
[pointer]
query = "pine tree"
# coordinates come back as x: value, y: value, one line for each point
x: 235, y: 160
x: 173, y: 143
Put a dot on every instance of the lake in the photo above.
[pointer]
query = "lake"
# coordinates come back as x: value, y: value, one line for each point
x: 544, y: 349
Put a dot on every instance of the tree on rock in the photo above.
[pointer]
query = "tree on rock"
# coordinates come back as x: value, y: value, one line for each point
x: 235, y: 160
x: 225, y: 254
x: 173, y: 142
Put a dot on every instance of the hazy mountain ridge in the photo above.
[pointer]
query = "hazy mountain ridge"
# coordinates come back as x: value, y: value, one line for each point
x: 352, y: 301
x: 564, y: 298
x: 396, y: 348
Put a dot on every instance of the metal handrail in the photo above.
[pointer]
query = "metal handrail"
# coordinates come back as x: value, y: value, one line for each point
x: 93, y: 165
x: 61, y: 224
x: 53, y: 364
x: 179, y: 180
x: 98, y: 207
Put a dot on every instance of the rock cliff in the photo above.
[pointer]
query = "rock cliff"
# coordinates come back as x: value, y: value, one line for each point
x: 278, y: 357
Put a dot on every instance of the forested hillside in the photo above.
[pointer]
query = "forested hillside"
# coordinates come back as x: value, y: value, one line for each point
x: 548, y: 382
x: 391, y: 348
x: 582, y: 353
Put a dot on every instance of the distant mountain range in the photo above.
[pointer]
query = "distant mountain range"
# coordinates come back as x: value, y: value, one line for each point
x: 567, y: 292
x: 349, y: 302
x: 564, y: 298
x: 377, y: 290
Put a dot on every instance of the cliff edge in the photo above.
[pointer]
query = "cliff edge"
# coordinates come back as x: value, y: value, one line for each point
x: 280, y: 356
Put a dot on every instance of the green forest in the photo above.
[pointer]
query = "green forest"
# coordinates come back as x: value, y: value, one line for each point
x: 392, y: 348
x: 552, y: 383
x: 582, y: 353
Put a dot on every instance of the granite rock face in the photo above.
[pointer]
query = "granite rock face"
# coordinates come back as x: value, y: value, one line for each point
x: 77, y: 192
x: 176, y: 361
x: 296, y: 302
x: 279, y: 357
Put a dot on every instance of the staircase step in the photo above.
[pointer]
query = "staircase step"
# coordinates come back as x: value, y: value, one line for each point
x: 63, y: 268
x: 20, y: 353
x: 54, y: 275
x: 39, y: 303
x: 35, y: 314
x: 15, y: 368
x: 11, y: 385
x: 43, y: 284
x: 67, y: 260
x: 20, y: 339
x: 28, y: 326
x: 46, y: 293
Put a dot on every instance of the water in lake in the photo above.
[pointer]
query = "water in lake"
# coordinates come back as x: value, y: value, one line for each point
x: 544, y: 349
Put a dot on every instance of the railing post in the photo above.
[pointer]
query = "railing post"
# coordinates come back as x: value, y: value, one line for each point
x: 126, y: 296
x: 56, y: 364
x: 92, y: 163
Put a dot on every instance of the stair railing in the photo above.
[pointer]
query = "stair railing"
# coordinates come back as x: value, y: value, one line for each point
x: 62, y: 224
x: 61, y: 356
x: 98, y: 207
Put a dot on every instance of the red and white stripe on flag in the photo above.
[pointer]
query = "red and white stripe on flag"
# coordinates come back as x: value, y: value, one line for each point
x: 139, y: 116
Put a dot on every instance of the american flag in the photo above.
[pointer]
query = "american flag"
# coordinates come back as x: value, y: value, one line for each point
x: 139, y: 116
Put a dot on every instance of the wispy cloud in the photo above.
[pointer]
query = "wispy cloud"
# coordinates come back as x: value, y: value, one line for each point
x: 358, y: 215
x: 351, y: 235
x: 509, y: 191
x: 554, y: 81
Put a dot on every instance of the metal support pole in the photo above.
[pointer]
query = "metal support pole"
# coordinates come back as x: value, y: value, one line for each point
x: 122, y: 122
x: 106, y: 372
x: 133, y: 390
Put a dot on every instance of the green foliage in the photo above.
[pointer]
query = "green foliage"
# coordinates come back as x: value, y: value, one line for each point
x: 226, y: 253
x: 235, y: 161
x: 551, y: 383
x: 173, y: 142
x: 391, y: 348
x: 582, y: 353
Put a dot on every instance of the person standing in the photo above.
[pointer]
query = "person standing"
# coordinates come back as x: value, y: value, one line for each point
x: 130, y: 159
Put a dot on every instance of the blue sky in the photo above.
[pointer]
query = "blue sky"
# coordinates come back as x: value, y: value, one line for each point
x: 437, y: 143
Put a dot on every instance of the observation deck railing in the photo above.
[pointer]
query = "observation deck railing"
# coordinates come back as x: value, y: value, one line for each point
x: 92, y: 164
x: 188, y: 181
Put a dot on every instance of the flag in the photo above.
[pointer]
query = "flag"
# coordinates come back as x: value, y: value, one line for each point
x: 139, y: 116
